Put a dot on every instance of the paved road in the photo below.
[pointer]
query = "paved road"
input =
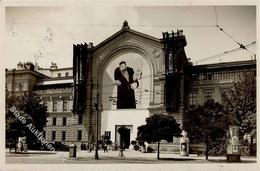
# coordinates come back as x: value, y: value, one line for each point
x: 112, y: 157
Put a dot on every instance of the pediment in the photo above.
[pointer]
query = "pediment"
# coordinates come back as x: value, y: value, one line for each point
x: 125, y: 36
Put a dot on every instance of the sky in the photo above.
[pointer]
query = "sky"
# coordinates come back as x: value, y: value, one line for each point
x: 47, y: 34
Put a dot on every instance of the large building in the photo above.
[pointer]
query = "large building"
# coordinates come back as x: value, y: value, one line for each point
x: 88, y: 97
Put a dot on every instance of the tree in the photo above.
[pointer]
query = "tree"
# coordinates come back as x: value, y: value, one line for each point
x: 240, y: 105
x: 158, y: 127
x: 207, y: 124
x: 34, y: 112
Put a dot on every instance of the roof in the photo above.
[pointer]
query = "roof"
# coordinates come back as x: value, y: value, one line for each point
x: 58, y: 69
x: 26, y: 71
x: 55, y: 82
x: 226, y: 65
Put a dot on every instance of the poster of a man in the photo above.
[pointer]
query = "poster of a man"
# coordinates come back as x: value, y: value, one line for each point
x: 126, y: 82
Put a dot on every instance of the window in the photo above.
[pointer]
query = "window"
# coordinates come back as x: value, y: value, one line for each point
x: 223, y: 74
x: 63, y: 135
x: 59, y: 74
x: 8, y: 87
x: 215, y: 75
x: 53, y: 135
x: 192, y: 99
x: 194, y: 76
x: 44, y: 102
x: 170, y: 62
x: 201, y: 76
x: 208, y: 96
x: 224, y: 92
x: 240, y: 73
x: 232, y: 74
x: 65, y: 105
x: 20, y: 86
x: 64, y: 123
x: 55, y: 105
x: 79, y: 135
x: 108, y: 134
x: 80, y: 119
x: 54, y: 120
x: 67, y: 74
x: 248, y: 71
x: 209, y: 76
x: 16, y: 86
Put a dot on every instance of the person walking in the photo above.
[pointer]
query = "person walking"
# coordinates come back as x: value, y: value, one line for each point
x: 105, y: 148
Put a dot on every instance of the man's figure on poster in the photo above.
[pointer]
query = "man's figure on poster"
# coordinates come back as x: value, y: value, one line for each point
x: 126, y: 82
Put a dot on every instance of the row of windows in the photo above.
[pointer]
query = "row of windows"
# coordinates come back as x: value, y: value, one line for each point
x: 64, y: 120
x: 55, y: 90
x: 207, y: 96
x: 66, y: 105
x: 63, y: 135
x: 225, y: 74
x: 18, y: 87
x: 192, y: 97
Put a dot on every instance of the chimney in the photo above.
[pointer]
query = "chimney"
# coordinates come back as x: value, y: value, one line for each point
x: 91, y: 45
x: 20, y: 66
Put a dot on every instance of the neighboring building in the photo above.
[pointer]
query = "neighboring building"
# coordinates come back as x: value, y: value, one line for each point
x: 22, y: 79
x: 212, y: 80
x: 55, y: 87
x: 168, y: 84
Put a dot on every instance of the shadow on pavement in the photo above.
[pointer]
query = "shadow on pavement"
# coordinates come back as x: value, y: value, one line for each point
x: 178, y: 159
x: 225, y: 161
x: 18, y: 154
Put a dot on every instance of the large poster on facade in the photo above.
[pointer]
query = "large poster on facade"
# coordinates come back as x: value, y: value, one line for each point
x: 126, y: 83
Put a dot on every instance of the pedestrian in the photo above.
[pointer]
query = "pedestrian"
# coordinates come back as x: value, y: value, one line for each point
x: 90, y: 148
x: 105, y: 148
x: 87, y: 148
x: 115, y: 146
x: 82, y: 146
x: 22, y: 149
x: 121, y: 152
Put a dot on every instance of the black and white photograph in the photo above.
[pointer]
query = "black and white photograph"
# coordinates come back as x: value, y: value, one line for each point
x: 131, y: 84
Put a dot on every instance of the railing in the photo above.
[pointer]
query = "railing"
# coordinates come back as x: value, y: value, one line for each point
x: 174, y: 148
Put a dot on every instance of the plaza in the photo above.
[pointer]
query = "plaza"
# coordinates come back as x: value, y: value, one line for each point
x: 112, y: 157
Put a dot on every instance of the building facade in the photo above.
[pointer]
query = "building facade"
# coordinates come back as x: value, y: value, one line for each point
x: 82, y: 101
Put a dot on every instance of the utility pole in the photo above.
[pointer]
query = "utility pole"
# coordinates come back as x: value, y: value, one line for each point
x: 97, y: 114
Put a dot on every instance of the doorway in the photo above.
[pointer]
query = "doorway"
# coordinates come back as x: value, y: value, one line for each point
x: 126, y: 136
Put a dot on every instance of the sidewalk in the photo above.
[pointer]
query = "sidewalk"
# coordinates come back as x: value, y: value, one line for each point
x: 112, y: 157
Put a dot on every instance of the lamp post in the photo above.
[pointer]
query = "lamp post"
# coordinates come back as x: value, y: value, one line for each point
x: 97, y: 110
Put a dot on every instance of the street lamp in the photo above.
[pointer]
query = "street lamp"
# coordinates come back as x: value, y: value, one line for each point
x: 96, y: 104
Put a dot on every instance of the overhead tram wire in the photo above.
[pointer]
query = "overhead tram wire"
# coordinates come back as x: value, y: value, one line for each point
x: 108, y: 25
x: 241, y: 46
x: 224, y: 53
